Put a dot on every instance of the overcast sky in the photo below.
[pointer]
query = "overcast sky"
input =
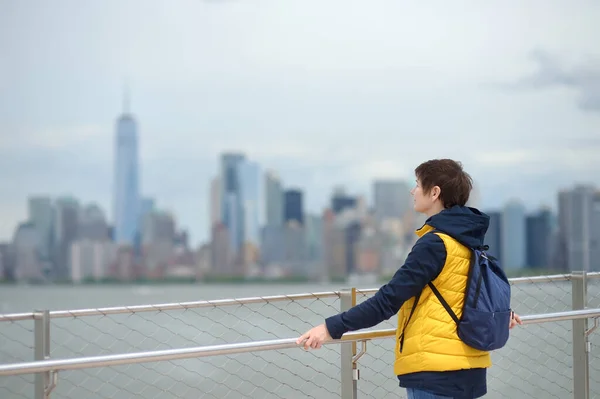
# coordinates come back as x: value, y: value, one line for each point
x: 326, y: 92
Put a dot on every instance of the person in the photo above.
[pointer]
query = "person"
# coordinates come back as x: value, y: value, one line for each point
x: 430, y: 359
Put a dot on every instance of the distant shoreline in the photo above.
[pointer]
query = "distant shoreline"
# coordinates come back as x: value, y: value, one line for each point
x: 175, y: 281
x: 246, y: 280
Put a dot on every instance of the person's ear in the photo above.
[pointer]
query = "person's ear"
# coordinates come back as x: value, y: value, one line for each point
x: 435, y: 192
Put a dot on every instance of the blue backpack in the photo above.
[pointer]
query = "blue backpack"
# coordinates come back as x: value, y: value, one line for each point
x: 486, y: 311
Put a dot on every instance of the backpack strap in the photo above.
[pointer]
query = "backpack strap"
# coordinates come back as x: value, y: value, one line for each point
x: 444, y: 303
x: 477, y: 289
x: 439, y: 295
x: 412, y: 311
x: 441, y: 298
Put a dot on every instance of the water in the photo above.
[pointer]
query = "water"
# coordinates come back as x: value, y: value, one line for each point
x: 535, y: 363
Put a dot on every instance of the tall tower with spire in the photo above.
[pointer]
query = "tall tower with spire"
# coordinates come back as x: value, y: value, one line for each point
x: 126, y: 188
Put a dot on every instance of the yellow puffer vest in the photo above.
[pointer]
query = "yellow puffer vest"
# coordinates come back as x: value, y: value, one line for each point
x: 430, y: 339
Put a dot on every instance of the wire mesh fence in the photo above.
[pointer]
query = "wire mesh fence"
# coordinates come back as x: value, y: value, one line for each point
x: 280, y: 373
x: 274, y: 374
x: 16, y: 345
x: 537, y: 361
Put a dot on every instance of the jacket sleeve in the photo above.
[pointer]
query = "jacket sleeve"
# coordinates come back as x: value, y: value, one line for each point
x: 423, y: 264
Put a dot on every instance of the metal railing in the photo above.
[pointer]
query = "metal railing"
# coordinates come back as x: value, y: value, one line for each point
x: 52, y: 367
x: 149, y: 352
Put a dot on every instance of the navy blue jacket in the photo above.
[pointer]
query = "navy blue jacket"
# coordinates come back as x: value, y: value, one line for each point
x: 423, y: 264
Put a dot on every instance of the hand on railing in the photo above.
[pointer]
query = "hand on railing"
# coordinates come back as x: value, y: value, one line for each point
x: 514, y: 320
x: 315, y: 337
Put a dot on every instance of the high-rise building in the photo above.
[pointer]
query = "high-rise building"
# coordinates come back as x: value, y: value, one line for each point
x: 293, y: 206
x: 126, y: 179
x: 539, y: 235
x: 92, y: 224
x: 26, y: 243
x: 66, y: 227
x: 272, y: 246
x: 314, y: 237
x: 341, y: 201
x: 41, y: 214
x: 295, y: 248
x: 579, y: 230
x: 369, y: 249
x: 273, y: 199
x: 334, y: 246
x: 232, y: 212
x: 215, y: 202
x: 513, y: 236
x: 353, y: 233
x: 158, y: 236
x: 146, y: 206
x: 90, y: 259
x: 493, y: 236
x: 221, y: 254
x: 7, y: 257
x: 251, y: 187
x: 391, y: 199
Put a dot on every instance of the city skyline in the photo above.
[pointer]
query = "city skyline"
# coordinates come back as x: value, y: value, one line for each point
x: 261, y: 208
x: 333, y: 105
x: 65, y: 240
x: 368, y: 194
x: 62, y: 241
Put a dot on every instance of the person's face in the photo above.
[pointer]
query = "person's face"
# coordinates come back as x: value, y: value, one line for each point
x: 424, y: 202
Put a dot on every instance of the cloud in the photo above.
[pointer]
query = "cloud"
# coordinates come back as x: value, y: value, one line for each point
x: 504, y: 158
x: 53, y: 137
x: 326, y: 93
x: 551, y: 72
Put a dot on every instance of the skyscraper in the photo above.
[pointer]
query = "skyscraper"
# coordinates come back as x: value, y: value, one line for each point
x: 579, y: 213
x: 273, y: 199
x: 391, y: 198
x: 126, y: 184
x: 41, y: 214
x: 293, y: 207
x: 340, y: 200
x: 513, y: 240
x: 232, y: 214
x: 493, y: 236
x: 66, y: 228
x: 92, y: 224
x: 26, y: 244
x: 250, y: 186
x: 215, y: 202
x: 539, y: 235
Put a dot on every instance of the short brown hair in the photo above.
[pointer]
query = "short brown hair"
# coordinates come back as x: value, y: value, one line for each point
x: 455, y: 184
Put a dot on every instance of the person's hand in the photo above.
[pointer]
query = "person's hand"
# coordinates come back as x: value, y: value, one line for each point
x: 514, y: 320
x: 315, y: 337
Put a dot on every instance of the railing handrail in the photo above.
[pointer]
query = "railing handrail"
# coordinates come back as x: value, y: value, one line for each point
x: 518, y: 280
x: 211, y: 303
x: 239, y: 301
x: 228, y: 349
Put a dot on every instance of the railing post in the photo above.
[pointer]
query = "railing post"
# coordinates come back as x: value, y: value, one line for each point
x: 41, y: 351
x: 348, y: 351
x: 581, y: 376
